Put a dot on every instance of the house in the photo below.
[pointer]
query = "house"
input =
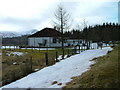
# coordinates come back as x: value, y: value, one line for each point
x: 73, y: 41
x: 49, y: 37
x: 46, y: 37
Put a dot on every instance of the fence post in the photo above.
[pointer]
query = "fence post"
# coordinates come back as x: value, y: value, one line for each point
x: 32, y: 49
x: 68, y: 53
x: 25, y: 48
x: 91, y: 46
x: 84, y: 47
x: 74, y: 49
x: 79, y: 48
x: 20, y: 48
x: 56, y: 56
x: 97, y: 45
x: 63, y: 52
x: 30, y: 64
x: 46, y: 58
x: 5, y: 47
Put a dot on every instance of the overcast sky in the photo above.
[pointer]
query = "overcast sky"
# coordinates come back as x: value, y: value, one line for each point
x: 21, y: 15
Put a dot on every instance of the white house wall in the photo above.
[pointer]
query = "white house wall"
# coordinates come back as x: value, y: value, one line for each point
x: 74, y: 41
x: 35, y: 40
x: 31, y: 41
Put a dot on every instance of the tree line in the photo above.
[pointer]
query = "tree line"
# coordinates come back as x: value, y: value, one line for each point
x: 21, y: 40
x: 104, y: 32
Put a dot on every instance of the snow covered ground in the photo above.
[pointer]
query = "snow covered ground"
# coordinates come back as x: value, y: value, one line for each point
x: 61, y: 72
x: 93, y: 45
x: 17, y: 47
x: 12, y: 47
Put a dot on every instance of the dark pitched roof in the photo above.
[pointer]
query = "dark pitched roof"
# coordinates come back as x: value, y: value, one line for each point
x: 47, y: 32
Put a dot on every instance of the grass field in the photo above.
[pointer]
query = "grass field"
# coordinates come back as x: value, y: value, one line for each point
x: 103, y: 74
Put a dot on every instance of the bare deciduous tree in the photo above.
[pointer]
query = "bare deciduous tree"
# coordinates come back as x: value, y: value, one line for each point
x: 62, y: 18
x: 62, y: 22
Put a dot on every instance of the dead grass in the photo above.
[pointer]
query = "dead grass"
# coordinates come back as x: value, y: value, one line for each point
x: 16, y: 67
x: 103, y: 74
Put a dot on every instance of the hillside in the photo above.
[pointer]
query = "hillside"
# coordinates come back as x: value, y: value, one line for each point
x: 103, y: 74
x: 21, y: 40
x: 10, y: 34
x: 15, y: 38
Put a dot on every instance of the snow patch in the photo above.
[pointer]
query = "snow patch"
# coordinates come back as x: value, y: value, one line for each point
x: 15, y: 53
x: 17, y: 47
x: 60, y: 57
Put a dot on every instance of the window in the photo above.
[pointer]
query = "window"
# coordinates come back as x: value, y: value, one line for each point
x: 45, y: 41
x: 59, y: 40
x: 54, y: 40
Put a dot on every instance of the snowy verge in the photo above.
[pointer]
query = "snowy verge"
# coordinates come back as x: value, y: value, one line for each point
x: 15, y: 53
x: 17, y: 47
x: 58, y: 75
x: 60, y: 57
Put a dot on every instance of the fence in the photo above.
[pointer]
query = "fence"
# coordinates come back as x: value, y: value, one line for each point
x: 68, y: 50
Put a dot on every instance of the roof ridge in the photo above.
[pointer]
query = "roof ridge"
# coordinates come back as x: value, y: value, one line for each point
x: 46, y: 32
